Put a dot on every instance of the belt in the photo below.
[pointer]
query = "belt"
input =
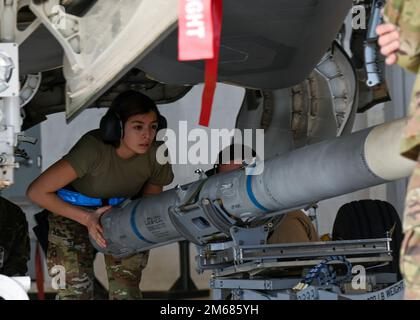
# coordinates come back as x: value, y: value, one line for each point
x: 78, y: 199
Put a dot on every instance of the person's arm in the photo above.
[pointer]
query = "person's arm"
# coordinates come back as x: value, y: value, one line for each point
x: 404, y: 14
x: 42, y: 191
x: 151, y: 189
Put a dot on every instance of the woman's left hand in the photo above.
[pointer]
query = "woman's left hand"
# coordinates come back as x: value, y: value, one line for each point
x: 93, y: 223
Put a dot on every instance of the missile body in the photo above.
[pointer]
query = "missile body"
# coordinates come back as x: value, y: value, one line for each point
x: 205, y: 211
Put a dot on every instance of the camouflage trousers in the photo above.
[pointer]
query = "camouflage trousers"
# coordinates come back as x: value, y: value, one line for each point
x: 410, y: 249
x: 70, y: 251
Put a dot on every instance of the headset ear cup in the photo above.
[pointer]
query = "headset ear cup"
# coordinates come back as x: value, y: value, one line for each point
x: 120, y: 130
x: 111, y: 128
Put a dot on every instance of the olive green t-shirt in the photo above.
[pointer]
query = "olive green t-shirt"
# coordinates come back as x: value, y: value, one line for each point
x: 103, y: 174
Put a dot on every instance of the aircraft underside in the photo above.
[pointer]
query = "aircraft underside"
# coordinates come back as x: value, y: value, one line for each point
x: 306, y: 70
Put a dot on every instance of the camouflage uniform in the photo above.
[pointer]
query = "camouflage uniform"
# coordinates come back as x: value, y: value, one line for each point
x: 14, y: 240
x: 101, y: 173
x: 69, y: 247
x: 124, y: 276
x: 406, y: 15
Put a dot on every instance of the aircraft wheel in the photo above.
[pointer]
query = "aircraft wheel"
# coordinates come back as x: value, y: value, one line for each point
x: 370, y: 219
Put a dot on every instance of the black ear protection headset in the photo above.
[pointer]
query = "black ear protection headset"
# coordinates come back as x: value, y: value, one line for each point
x: 112, y: 127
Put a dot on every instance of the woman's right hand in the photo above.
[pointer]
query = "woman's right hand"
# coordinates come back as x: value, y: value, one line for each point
x: 93, y: 223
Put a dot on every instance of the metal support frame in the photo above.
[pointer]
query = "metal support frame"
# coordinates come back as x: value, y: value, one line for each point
x: 64, y: 27
x: 260, y: 263
x: 235, y: 258
x: 373, y: 61
x: 10, y: 117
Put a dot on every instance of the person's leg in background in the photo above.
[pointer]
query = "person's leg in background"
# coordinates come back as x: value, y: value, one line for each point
x: 410, y: 249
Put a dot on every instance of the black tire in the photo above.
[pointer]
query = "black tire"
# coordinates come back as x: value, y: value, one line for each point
x: 370, y: 219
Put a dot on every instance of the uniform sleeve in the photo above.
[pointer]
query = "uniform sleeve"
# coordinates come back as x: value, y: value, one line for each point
x: 393, y: 10
x: 410, y: 144
x: 162, y: 175
x: 406, y: 15
x: 84, y: 156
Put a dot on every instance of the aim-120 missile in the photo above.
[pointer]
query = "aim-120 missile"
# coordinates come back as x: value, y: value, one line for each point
x: 205, y: 211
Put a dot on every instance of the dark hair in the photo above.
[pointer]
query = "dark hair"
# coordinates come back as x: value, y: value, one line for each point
x: 130, y: 103
x: 229, y: 153
x: 125, y: 105
x: 230, y: 150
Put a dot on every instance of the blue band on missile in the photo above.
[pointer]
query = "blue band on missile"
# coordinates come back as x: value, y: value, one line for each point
x: 134, y: 226
x: 251, y: 194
